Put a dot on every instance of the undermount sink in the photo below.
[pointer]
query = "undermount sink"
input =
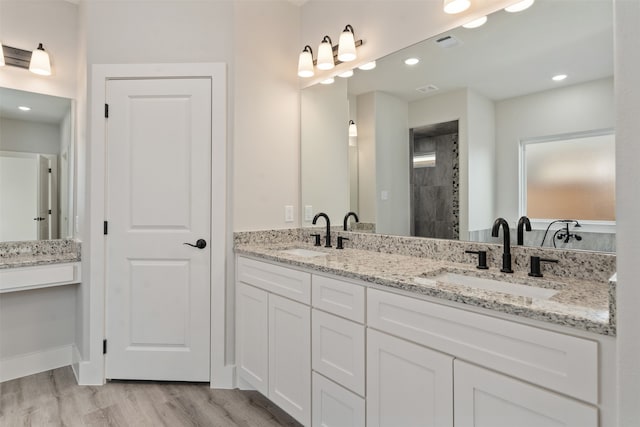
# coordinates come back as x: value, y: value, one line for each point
x: 484, y: 283
x: 305, y: 253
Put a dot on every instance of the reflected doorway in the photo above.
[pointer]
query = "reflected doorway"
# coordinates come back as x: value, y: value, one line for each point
x: 434, y: 179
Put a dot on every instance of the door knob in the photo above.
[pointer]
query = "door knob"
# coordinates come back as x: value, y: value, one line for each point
x: 200, y: 244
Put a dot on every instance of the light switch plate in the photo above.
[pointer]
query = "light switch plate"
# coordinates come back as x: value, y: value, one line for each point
x: 288, y: 213
x: 384, y: 195
x: 308, y: 213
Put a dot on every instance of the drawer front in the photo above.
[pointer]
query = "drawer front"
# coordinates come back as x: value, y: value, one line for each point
x: 560, y: 362
x: 338, y: 297
x: 338, y: 350
x: 283, y: 281
x: 18, y: 279
x: 335, y: 406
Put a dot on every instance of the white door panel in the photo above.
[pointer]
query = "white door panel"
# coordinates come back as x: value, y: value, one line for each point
x: 158, y: 198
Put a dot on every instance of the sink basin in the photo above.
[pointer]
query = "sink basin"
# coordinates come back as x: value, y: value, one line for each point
x: 488, y: 284
x: 305, y: 253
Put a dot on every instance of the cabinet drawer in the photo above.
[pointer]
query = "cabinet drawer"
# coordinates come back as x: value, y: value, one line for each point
x: 334, y: 406
x: 42, y: 276
x: 338, y: 350
x: 338, y: 297
x: 287, y: 282
x: 560, y: 362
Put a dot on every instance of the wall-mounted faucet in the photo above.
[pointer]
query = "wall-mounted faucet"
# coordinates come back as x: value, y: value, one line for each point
x: 328, y: 235
x: 345, y: 222
x: 506, y: 254
x: 523, y: 222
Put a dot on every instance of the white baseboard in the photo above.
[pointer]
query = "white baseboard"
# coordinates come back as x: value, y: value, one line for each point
x: 224, y: 378
x: 33, y: 363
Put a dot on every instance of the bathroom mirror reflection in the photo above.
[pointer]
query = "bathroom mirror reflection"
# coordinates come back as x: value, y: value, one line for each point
x: 36, y: 166
x: 474, y: 100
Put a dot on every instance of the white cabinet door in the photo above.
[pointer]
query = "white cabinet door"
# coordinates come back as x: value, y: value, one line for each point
x: 290, y: 357
x: 407, y: 385
x: 252, y: 335
x: 487, y: 399
x: 334, y: 406
x: 338, y: 350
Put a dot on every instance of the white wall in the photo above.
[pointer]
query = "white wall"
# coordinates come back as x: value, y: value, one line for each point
x: 325, y: 150
x: 366, y: 120
x: 29, y: 137
x: 627, y: 105
x: 392, y: 165
x: 574, y: 108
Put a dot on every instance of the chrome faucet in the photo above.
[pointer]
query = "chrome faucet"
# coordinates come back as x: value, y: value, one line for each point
x: 523, y: 222
x: 506, y: 254
x: 345, y: 222
x: 328, y: 236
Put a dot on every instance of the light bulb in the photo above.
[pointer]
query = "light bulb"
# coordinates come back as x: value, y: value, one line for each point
x: 305, y: 63
x: 40, y: 62
x: 325, y: 54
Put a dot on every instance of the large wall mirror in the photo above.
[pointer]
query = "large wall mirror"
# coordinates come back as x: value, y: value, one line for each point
x: 36, y: 166
x: 443, y: 145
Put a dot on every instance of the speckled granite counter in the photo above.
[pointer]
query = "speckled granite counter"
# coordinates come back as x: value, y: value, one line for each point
x: 38, y: 252
x: 578, y: 303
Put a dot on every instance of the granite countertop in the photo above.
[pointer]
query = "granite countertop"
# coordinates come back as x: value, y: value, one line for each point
x: 38, y: 252
x: 580, y: 304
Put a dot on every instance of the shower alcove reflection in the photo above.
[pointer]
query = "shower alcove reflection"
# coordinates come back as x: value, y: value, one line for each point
x: 434, y: 179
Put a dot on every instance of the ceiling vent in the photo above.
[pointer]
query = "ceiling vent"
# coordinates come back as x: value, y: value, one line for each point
x: 427, y: 89
x: 447, y: 42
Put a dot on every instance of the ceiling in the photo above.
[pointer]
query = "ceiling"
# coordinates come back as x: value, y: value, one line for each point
x: 44, y: 108
x: 511, y: 55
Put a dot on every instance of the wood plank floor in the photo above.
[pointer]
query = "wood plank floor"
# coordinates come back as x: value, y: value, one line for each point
x: 53, y: 398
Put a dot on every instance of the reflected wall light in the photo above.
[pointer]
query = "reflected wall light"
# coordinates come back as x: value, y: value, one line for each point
x: 329, y: 55
x: 519, y: 6
x: 1, y: 56
x: 37, y: 62
x: 353, y: 129
x: 476, y: 23
x: 456, y: 6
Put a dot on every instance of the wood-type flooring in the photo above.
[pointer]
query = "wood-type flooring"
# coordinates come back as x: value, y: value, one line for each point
x: 53, y: 398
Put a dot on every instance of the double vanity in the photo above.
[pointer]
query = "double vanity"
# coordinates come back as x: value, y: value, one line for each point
x: 405, y: 331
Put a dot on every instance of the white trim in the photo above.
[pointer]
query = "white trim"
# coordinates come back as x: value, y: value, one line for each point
x: 38, y: 361
x: 92, y: 371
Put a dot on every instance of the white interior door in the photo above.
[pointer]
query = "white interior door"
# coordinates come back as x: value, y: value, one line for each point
x: 19, y: 201
x: 43, y: 197
x: 158, y: 198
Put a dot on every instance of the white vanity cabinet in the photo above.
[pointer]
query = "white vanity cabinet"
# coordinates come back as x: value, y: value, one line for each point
x: 273, y: 334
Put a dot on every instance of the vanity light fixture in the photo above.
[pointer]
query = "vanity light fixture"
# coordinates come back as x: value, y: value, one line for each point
x: 476, y: 23
x: 346, y: 74
x: 559, y: 77
x: 456, y: 6
x: 411, y: 61
x: 305, y: 62
x: 368, y: 66
x: 353, y: 129
x: 325, y: 54
x: 37, y: 62
x: 347, y: 45
x: 519, y: 6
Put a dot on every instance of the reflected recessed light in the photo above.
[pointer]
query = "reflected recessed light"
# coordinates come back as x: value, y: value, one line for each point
x: 346, y: 74
x: 411, y: 61
x: 368, y: 66
x: 23, y: 108
x: 476, y: 23
x: 328, y: 81
x: 519, y: 6
x: 559, y: 77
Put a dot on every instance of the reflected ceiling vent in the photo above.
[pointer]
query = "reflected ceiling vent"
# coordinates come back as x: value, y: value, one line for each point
x: 427, y: 89
x: 447, y: 42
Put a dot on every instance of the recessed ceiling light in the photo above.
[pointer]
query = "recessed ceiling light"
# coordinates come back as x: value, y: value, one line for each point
x: 346, y: 74
x: 24, y: 108
x: 559, y: 77
x: 328, y: 81
x: 411, y: 61
x: 476, y: 23
x: 368, y: 66
x: 519, y: 6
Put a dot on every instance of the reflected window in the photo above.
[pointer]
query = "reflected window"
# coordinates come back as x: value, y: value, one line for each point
x: 570, y: 177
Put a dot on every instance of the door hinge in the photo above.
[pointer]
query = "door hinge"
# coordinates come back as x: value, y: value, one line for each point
x: 49, y: 211
x: 49, y: 170
x: 106, y: 227
x: 106, y: 111
x: 104, y: 346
